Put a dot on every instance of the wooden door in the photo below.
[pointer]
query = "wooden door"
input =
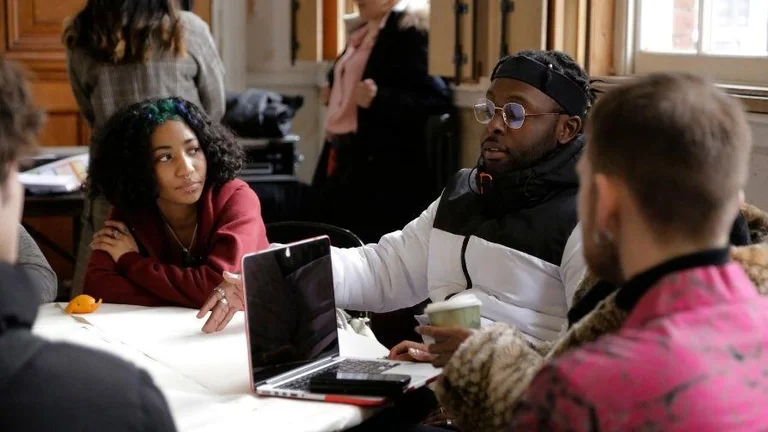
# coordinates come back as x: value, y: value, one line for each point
x: 32, y: 29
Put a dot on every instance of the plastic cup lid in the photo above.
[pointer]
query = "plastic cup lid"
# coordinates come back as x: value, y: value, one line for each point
x: 457, y: 302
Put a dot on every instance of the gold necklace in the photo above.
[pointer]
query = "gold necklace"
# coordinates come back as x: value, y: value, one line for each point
x: 175, y: 237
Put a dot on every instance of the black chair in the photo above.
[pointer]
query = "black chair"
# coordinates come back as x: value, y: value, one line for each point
x: 291, y: 231
x: 442, y: 150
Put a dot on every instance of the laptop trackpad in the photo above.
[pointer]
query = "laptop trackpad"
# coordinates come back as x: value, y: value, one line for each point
x: 420, y: 372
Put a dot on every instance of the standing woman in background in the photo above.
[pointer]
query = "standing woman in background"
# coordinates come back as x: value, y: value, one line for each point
x: 371, y: 174
x: 120, y: 52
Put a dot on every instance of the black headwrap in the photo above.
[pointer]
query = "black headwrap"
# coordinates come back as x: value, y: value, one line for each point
x: 554, y: 84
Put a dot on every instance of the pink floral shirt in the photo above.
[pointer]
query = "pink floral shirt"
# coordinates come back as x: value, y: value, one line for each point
x: 692, y: 356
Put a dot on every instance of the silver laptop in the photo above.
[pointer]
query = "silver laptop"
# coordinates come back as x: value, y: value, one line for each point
x: 291, y: 326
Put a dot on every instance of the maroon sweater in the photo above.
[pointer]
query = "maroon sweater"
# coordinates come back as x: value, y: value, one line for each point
x: 229, y: 225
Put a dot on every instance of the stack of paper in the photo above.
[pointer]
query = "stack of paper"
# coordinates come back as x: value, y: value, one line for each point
x: 61, y: 176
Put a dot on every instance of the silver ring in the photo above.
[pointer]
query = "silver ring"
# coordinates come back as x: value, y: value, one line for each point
x: 115, y: 233
x: 224, y: 301
x: 222, y: 293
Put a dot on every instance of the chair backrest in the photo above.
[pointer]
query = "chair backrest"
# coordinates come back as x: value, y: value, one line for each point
x: 442, y: 150
x: 291, y: 231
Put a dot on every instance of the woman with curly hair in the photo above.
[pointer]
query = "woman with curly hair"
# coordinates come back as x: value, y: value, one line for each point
x: 180, y: 216
x: 121, y: 52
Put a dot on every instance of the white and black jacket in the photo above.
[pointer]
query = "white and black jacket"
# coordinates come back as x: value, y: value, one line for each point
x: 517, y: 248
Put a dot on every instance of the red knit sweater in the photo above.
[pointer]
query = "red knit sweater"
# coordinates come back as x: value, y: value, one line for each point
x: 229, y: 225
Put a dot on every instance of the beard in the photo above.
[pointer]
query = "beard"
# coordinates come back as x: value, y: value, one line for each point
x: 603, y: 259
x: 600, y: 253
x: 518, y: 159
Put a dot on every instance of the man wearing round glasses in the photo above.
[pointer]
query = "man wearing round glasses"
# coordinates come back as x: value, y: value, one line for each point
x: 503, y: 231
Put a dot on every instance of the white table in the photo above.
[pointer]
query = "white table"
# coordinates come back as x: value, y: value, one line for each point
x: 204, y: 376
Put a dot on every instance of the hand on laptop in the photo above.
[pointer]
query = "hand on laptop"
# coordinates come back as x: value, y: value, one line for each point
x: 411, y: 351
x: 447, y: 341
x: 225, y: 301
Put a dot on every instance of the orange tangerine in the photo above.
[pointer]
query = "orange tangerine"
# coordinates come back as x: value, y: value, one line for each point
x: 82, y: 304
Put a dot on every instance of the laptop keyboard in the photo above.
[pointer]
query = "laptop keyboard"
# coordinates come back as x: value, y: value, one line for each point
x: 348, y: 366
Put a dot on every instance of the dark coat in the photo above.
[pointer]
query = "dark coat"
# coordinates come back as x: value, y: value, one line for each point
x: 47, y: 386
x: 379, y: 184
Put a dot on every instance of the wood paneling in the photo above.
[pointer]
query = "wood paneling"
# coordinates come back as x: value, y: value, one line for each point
x: 309, y: 30
x: 54, y: 96
x: 334, y: 35
x: 556, y: 31
x: 526, y: 29
x: 52, y: 14
x: 35, y: 25
x: 527, y: 26
x: 65, y: 125
x: 202, y: 8
x: 600, y: 41
x: 568, y: 28
x: 60, y: 130
x: 489, y: 43
x: 442, y: 37
x: 350, y: 6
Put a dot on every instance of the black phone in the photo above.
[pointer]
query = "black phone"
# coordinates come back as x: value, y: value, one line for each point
x: 362, y: 384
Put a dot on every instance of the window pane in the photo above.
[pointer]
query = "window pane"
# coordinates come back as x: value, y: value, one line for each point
x: 669, y: 25
x: 736, y: 27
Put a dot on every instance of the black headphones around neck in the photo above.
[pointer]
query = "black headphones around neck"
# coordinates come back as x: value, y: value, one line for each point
x: 485, y: 180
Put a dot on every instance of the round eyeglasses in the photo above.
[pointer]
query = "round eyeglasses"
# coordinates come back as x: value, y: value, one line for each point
x: 513, y: 113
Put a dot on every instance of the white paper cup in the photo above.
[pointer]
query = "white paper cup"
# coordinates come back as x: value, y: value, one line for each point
x: 423, y: 320
x: 460, y: 311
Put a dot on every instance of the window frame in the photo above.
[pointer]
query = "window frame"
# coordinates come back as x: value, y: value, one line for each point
x: 728, y: 70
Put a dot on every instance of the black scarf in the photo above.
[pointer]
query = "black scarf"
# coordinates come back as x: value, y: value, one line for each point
x: 528, y: 187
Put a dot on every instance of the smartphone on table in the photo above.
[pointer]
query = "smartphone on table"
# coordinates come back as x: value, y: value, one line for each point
x: 361, y: 384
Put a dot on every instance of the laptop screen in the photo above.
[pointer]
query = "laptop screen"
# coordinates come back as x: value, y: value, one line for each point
x: 290, y: 307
